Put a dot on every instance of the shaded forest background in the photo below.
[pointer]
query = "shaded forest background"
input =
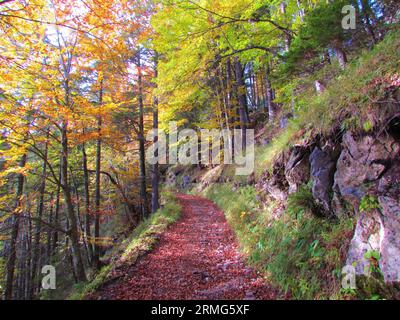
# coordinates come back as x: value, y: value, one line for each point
x: 82, y: 82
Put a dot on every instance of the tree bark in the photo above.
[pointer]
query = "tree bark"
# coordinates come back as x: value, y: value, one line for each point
x: 96, y: 248
x: 241, y: 94
x: 87, y: 202
x: 56, y: 216
x: 49, y: 230
x: 155, y: 179
x: 288, y: 38
x: 38, y: 229
x: 15, y: 220
x: 73, y: 227
x: 269, y: 97
x: 142, y: 160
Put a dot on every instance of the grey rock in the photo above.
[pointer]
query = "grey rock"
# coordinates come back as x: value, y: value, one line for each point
x: 366, y: 238
x: 378, y: 231
x: 275, y: 184
x: 323, y: 165
x: 362, y: 160
x: 374, y: 161
x: 390, y: 238
x: 297, y: 169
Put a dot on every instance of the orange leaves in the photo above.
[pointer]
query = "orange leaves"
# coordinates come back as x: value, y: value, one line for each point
x: 17, y: 170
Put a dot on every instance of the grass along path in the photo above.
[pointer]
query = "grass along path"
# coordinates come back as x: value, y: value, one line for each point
x: 196, y: 258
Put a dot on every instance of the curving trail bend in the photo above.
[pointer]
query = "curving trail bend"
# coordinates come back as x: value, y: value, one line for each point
x: 196, y: 258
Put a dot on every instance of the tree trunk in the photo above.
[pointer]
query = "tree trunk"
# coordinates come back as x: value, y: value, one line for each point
x: 28, y: 260
x: 288, y: 38
x: 96, y: 248
x: 155, y: 179
x: 232, y: 99
x: 49, y: 231
x: 73, y: 227
x: 301, y: 11
x: 78, y: 215
x: 15, y: 220
x: 56, y: 216
x: 241, y: 93
x: 142, y: 160
x: 87, y: 202
x: 269, y: 97
x: 38, y: 230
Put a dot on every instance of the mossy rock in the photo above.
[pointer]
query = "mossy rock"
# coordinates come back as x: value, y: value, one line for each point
x: 373, y: 287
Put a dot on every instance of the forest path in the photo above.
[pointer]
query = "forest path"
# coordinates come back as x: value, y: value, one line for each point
x: 196, y: 258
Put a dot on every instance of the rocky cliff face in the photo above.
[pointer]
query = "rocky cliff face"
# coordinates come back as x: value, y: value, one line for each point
x: 356, y: 175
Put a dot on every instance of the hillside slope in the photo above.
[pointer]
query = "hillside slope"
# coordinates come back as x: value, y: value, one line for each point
x: 325, y: 193
x: 196, y: 258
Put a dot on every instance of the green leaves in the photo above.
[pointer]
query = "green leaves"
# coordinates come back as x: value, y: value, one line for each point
x: 369, y: 203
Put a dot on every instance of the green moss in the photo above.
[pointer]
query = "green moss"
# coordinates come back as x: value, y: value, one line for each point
x: 369, y: 203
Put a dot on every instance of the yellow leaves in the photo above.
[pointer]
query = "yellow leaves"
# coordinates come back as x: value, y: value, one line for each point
x: 17, y: 170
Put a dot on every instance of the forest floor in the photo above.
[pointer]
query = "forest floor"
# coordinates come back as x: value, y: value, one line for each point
x: 196, y: 258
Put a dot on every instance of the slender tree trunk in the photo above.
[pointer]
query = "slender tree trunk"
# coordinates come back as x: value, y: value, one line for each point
x: 301, y: 11
x: 288, y: 38
x: 142, y: 160
x: 80, y: 224
x: 73, y: 227
x: 28, y: 260
x: 56, y: 216
x: 233, y: 99
x: 253, y: 98
x: 15, y: 220
x: 69, y: 255
x: 87, y: 202
x: 269, y: 97
x: 241, y: 93
x: 49, y: 230
x: 155, y: 179
x: 38, y: 230
x: 96, y: 248
x: 225, y: 97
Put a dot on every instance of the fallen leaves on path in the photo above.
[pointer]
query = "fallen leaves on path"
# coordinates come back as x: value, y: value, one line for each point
x: 196, y: 258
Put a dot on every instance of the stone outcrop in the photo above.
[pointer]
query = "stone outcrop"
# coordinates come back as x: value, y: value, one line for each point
x: 390, y: 239
x: 363, y: 161
x: 297, y: 169
x: 366, y: 239
x: 323, y: 166
x: 341, y: 177
x: 275, y: 185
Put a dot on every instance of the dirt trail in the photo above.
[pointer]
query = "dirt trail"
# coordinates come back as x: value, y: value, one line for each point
x: 196, y: 258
